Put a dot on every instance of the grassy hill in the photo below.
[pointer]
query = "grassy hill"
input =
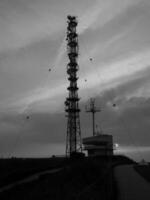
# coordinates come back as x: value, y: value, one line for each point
x: 86, y: 178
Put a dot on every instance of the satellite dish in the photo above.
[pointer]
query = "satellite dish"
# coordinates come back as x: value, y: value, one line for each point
x: 66, y: 103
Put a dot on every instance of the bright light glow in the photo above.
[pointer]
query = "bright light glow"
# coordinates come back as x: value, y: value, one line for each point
x: 116, y: 145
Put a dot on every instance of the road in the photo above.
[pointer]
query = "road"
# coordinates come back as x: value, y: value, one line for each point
x: 28, y: 179
x: 131, y: 185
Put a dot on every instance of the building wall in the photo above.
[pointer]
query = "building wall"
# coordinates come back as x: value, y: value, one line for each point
x: 101, y: 145
x: 100, y: 152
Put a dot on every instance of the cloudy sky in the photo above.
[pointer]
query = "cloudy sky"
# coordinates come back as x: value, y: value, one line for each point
x: 114, y: 33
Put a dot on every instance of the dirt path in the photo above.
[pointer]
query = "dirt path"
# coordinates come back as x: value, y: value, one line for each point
x: 28, y: 179
x: 130, y: 184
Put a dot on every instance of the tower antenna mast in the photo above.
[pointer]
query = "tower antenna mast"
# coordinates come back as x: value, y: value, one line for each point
x: 93, y: 110
x: 73, y: 140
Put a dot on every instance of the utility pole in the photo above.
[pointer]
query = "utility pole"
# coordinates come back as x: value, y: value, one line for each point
x: 93, y: 110
x: 73, y: 140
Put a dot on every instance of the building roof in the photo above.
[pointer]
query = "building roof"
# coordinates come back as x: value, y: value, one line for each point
x: 102, y: 139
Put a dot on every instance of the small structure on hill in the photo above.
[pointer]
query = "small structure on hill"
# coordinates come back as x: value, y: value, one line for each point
x: 143, y: 162
x: 100, y: 145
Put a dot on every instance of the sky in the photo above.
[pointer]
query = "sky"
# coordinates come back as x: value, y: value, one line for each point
x: 114, y: 33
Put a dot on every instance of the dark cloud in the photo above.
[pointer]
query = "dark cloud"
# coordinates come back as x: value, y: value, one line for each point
x: 128, y: 122
x: 128, y: 87
x: 19, y: 132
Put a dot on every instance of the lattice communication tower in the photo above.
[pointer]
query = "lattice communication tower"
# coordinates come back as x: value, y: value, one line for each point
x: 73, y: 143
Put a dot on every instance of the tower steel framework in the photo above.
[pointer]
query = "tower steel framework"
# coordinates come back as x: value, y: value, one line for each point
x: 73, y: 143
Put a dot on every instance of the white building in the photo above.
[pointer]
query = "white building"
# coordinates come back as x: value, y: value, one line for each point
x: 99, y: 145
